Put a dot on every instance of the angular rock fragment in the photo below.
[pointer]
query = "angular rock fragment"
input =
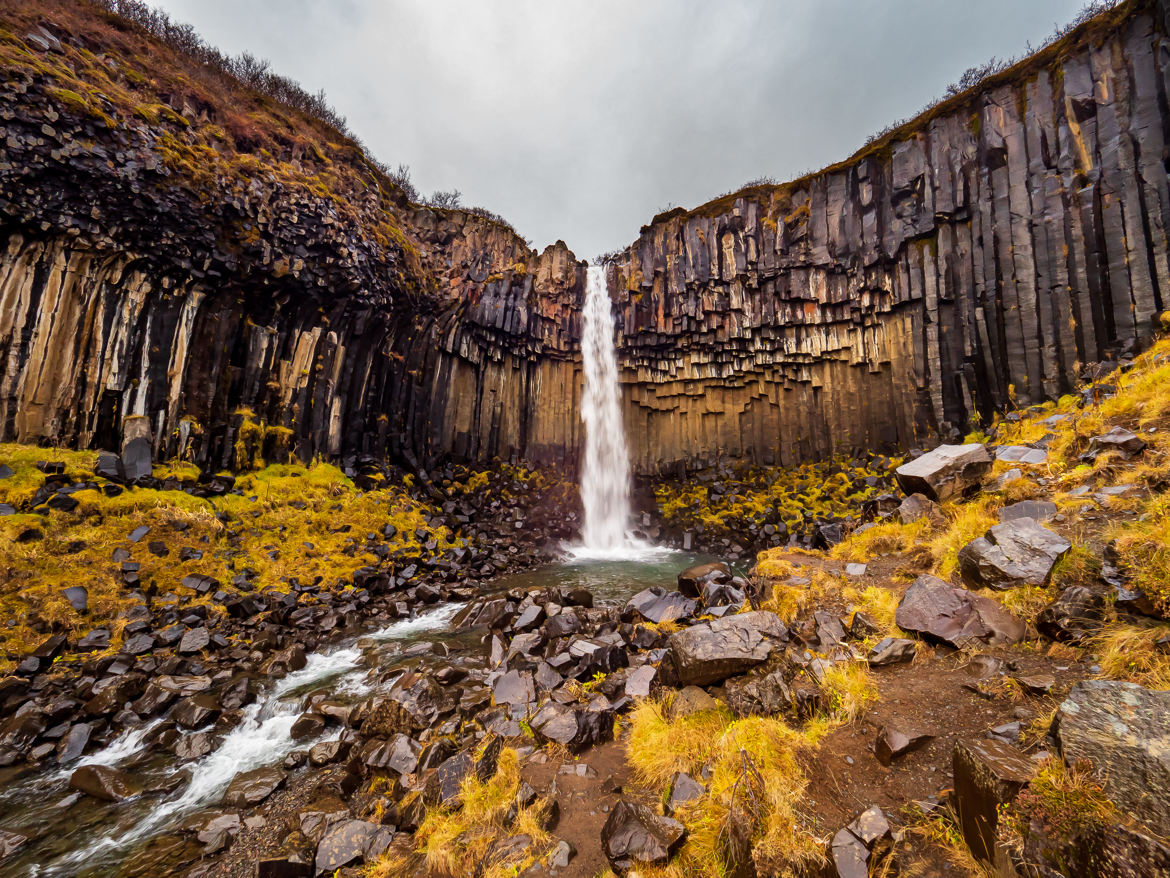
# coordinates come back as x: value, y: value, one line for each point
x: 1017, y: 552
x: 1123, y: 730
x: 945, y: 472
x: 892, y: 743
x: 250, y: 788
x: 707, y: 653
x: 955, y: 616
x: 634, y: 834
x: 657, y: 605
x: 1076, y: 614
x: 891, y: 651
x: 987, y: 774
x: 104, y: 782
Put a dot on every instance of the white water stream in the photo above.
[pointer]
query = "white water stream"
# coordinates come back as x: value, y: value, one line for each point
x: 605, y: 472
x: 261, y: 738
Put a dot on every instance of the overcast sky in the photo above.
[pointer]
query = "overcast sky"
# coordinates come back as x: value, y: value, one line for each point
x: 580, y: 119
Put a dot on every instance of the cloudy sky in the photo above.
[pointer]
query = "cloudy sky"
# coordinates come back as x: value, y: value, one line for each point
x: 580, y: 119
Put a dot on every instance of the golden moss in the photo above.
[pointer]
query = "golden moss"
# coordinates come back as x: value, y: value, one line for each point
x: 457, y: 841
x: 755, y: 782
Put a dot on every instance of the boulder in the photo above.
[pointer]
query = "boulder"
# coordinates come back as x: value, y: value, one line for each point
x: 945, y: 472
x: 1014, y: 553
x: 891, y: 651
x: 1038, y: 510
x: 104, y: 782
x: 709, y: 653
x: 574, y: 728
x: 634, y: 834
x: 892, y: 743
x: 758, y: 695
x: 253, y: 787
x: 1123, y: 729
x: 1124, y: 442
x: 691, y: 580
x: 414, y: 703
x: 638, y: 681
x: 683, y: 788
x: 351, y: 842
x: 987, y: 774
x: 656, y: 605
x: 940, y: 612
x: 1077, y: 613
x: 514, y: 687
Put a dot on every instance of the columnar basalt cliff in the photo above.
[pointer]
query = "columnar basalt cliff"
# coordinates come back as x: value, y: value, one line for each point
x: 183, y: 258
x: 977, y: 255
x: 155, y: 269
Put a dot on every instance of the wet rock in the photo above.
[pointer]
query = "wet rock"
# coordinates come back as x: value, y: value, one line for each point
x: 691, y: 580
x: 196, y: 712
x: 351, y: 842
x: 1017, y: 552
x: 1124, y: 442
x: 1123, y: 729
x: 104, y: 782
x: 683, y: 788
x: 656, y: 605
x: 193, y: 746
x: 1078, y: 613
x: 252, y: 787
x: 891, y: 651
x: 10, y: 843
x: 892, y: 743
x: 74, y: 742
x: 634, y: 834
x: 987, y: 774
x: 945, y: 472
x: 955, y: 616
x: 711, y: 652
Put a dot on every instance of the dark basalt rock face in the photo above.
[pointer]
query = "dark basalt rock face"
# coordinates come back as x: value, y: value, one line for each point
x: 994, y: 243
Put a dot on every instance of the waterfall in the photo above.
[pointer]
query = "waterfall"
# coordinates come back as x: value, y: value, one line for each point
x: 605, y: 474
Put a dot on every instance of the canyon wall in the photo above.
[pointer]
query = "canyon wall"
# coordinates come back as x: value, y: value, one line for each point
x: 981, y: 254
x: 170, y: 265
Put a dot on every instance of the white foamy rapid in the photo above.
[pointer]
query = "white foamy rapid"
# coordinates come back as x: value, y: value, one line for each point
x: 605, y: 473
x: 261, y: 738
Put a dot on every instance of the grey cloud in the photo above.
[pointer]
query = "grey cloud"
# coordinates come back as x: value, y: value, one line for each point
x: 578, y: 119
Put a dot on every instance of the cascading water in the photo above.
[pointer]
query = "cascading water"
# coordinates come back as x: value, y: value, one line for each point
x: 605, y: 474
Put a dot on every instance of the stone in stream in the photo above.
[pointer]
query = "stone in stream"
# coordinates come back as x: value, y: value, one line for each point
x: 945, y: 472
x: 1123, y: 730
x: 1017, y: 552
x: 104, y: 782
x: 351, y: 842
x: 656, y: 605
x: 252, y: 787
x: 196, y: 711
x: 709, y: 653
x: 10, y: 843
x: 73, y: 743
x: 634, y: 834
x: 939, y: 611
